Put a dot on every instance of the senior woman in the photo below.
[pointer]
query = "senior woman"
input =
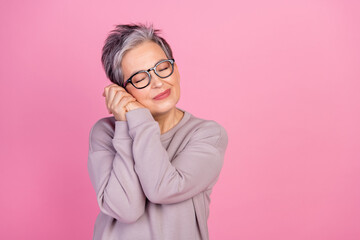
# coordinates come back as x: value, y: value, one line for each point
x: 152, y: 165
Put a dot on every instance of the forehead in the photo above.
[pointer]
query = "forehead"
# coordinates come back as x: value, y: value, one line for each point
x: 142, y: 57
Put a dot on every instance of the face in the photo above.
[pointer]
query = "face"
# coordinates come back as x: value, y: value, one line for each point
x: 143, y: 57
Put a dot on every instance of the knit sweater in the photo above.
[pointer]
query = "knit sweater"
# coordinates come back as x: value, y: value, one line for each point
x: 151, y: 185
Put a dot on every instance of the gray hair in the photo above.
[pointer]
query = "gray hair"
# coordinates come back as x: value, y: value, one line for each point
x: 122, y: 39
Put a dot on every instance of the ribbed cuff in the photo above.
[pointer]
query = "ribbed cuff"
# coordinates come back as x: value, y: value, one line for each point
x: 138, y: 116
x: 121, y: 130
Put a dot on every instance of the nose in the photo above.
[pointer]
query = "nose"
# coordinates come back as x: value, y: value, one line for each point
x: 156, y: 81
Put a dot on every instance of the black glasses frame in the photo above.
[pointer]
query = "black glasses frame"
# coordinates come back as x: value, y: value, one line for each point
x: 148, y: 73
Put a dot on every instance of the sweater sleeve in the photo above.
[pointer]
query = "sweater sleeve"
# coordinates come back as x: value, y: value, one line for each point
x: 195, y: 169
x: 111, y: 170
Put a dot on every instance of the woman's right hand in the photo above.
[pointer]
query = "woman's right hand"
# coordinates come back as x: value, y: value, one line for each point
x: 117, y: 98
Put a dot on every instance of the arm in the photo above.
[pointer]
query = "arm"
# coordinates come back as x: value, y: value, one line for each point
x: 111, y: 169
x: 193, y: 170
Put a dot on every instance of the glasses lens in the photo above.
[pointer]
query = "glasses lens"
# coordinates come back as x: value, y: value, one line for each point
x: 140, y: 79
x: 164, y: 69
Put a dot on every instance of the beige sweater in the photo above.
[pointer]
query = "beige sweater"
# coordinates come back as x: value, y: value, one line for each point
x: 150, y: 185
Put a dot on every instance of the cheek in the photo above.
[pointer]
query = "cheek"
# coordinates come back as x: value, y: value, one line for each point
x: 140, y: 96
x: 176, y: 86
x: 134, y: 93
x: 175, y: 80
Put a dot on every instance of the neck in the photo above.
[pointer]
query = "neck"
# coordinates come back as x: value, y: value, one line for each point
x: 169, y: 119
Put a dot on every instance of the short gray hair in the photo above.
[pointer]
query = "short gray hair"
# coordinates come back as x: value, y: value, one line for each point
x: 122, y: 39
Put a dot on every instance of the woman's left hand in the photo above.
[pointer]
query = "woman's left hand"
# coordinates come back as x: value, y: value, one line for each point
x: 134, y: 105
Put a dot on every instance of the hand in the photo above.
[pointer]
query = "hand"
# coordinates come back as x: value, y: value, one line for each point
x: 119, y: 101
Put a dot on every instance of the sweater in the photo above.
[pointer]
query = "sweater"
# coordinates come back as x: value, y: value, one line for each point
x: 150, y: 185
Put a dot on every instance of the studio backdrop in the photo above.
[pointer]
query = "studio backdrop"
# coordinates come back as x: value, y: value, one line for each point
x: 282, y: 77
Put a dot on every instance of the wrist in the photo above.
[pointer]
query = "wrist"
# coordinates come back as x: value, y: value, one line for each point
x: 133, y: 105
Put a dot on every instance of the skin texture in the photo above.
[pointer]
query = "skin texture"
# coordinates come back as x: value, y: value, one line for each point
x: 119, y: 101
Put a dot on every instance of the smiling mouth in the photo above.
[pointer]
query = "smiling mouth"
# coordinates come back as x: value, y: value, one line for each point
x: 163, y: 94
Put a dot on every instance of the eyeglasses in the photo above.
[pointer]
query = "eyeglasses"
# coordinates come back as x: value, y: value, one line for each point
x: 141, y: 79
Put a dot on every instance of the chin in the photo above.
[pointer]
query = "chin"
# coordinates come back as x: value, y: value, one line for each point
x: 162, y: 108
x: 159, y: 111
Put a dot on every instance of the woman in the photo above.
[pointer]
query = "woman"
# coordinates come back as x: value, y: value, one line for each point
x: 152, y: 165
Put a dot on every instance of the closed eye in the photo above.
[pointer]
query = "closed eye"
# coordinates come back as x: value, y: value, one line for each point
x: 163, y: 69
x: 140, y: 80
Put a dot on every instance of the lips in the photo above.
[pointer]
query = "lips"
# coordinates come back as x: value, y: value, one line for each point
x: 163, y: 94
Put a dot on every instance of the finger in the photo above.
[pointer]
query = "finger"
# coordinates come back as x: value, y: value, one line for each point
x: 106, y: 89
x: 119, y: 98
x: 114, y: 91
x: 130, y: 105
x: 121, y: 102
x: 125, y: 101
x: 110, y: 97
x: 106, y: 94
x: 115, y: 96
x: 109, y: 92
x: 106, y: 102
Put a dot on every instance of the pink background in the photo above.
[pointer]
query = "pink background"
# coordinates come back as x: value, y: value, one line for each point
x: 281, y: 76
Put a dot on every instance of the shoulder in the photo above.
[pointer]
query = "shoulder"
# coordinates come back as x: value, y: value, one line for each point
x: 101, y: 134
x: 207, y: 130
x: 103, y: 126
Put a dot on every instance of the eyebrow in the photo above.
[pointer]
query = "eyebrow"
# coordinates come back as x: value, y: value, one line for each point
x: 148, y: 68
